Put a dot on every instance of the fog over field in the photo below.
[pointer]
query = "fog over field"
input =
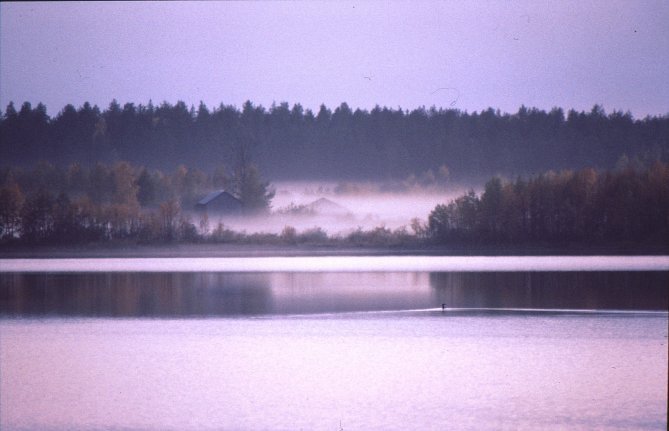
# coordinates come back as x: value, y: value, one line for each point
x: 340, y: 208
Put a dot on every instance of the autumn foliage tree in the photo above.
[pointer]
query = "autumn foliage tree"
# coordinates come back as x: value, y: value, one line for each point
x: 627, y: 205
x: 11, y: 202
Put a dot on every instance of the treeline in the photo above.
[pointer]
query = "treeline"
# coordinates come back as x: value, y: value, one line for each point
x: 628, y: 205
x: 124, y: 203
x: 295, y: 143
x: 77, y: 204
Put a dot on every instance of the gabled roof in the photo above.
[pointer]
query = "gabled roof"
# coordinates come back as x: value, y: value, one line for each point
x: 324, y: 205
x: 213, y: 195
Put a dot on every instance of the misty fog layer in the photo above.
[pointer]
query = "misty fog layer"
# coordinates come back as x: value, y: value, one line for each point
x: 366, y: 207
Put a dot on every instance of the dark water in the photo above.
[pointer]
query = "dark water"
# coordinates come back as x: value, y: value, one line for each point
x: 166, y: 295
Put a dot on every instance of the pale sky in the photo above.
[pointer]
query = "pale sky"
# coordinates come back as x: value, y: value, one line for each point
x: 466, y: 55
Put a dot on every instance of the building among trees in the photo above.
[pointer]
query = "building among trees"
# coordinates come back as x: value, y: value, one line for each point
x: 326, y: 206
x: 219, y: 202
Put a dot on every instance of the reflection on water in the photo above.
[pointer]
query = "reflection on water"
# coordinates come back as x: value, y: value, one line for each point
x: 554, y: 290
x: 232, y: 294
x: 134, y: 294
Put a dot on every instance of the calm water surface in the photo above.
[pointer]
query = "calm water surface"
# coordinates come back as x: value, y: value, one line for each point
x: 354, y: 350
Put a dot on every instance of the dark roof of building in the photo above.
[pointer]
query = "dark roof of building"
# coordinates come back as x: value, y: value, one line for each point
x: 213, y: 195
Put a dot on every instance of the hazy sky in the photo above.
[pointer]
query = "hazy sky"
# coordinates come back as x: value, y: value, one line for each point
x: 469, y: 55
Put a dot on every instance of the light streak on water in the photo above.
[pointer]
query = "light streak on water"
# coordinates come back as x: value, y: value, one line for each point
x: 342, y: 264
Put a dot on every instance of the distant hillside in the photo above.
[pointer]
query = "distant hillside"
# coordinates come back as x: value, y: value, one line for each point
x: 293, y: 143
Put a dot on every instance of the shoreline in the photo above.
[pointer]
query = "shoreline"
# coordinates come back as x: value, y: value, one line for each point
x: 126, y: 250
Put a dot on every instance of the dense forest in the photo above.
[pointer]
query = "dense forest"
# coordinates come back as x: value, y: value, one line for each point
x: 295, y: 143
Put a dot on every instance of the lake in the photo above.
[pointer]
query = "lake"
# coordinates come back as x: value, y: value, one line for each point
x: 525, y: 344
